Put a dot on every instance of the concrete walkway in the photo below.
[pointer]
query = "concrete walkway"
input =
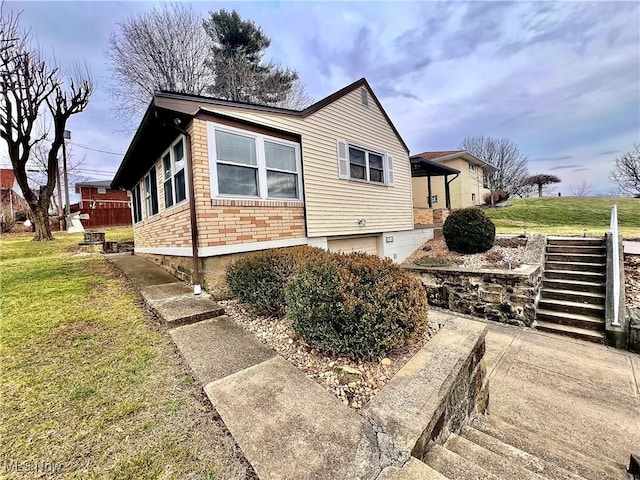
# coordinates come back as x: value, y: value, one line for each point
x: 559, y: 398
x: 551, y: 396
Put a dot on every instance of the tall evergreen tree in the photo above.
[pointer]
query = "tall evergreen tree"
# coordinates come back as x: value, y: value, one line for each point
x: 236, y: 58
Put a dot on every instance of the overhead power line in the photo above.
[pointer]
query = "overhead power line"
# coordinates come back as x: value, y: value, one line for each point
x: 95, y: 149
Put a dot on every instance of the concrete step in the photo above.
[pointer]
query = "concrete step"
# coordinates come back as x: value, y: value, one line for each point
x: 588, y: 322
x: 574, y: 249
x: 571, y: 296
x: 576, y: 257
x: 574, y: 275
x: 579, y: 308
x: 494, y: 463
x: 455, y: 467
x: 514, y: 455
x: 576, y: 266
x: 414, y: 469
x: 587, y: 335
x: 579, y: 241
x: 185, y: 309
x: 561, y: 454
x: 573, y: 285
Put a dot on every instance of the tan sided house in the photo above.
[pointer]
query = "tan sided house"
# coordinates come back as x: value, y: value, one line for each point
x: 231, y: 178
x: 462, y: 183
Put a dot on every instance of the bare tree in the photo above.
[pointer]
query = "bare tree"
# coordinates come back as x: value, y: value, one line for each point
x: 297, y: 98
x: 165, y: 48
x: 583, y: 189
x: 540, y: 180
x: 626, y: 173
x: 29, y: 88
x: 505, y: 156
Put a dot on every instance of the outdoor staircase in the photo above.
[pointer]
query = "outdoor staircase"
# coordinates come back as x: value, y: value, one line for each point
x: 572, y: 300
x: 482, y: 451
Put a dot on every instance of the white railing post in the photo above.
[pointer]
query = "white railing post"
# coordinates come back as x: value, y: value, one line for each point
x: 616, y: 265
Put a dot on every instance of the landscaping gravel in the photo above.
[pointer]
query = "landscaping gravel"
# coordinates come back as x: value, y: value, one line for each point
x: 434, y: 252
x: 354, y: 382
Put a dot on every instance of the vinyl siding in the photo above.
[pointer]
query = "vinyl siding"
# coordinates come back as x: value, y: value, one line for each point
x: 461, y: 188
x: 334, y: 206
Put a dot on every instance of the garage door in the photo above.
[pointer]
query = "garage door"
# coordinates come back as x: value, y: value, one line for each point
x: 359, y: 244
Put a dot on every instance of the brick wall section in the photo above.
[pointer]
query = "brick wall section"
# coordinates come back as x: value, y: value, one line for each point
x: 220, y: 222
x: 229, y: 222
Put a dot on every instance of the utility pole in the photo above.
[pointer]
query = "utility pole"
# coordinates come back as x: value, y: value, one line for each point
x: 61, y: 221
x: 67, y: 136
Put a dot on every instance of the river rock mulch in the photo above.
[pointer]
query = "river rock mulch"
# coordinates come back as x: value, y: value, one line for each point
x: 506, y: 253
x: 632, y: 280
x: 354, y: 382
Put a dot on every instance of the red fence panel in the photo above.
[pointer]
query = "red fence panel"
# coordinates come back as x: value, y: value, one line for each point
x: 106, y: 217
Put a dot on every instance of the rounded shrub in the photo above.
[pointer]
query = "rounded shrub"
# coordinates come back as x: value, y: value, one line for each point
x: 258, y: 279
x: 469, y: 230
x: 355, y: 305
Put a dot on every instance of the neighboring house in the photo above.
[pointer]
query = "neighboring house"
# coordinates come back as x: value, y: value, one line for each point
x: 102, y: 205
x: 335, y: 175
x: 465, y: 181
x: 11, y: 195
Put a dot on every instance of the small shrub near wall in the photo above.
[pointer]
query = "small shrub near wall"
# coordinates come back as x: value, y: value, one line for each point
x: 356, y: 305
x: 258, y: 279
x: 469, y: 230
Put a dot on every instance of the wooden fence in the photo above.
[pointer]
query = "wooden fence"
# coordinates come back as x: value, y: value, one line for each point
x: 106, y: 217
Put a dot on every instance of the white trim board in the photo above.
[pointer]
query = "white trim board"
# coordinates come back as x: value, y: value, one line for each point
x: 223, y: 249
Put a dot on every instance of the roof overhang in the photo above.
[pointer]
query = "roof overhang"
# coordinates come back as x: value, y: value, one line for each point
x: 421, y: 167
x: 469, y: 157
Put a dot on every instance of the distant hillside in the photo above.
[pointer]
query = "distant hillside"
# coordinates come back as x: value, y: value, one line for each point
x: 567, y: 215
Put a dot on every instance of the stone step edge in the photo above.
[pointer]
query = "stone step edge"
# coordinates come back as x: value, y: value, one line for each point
x: 567, y: 330
x: 572, y: 316
x: 534, y: 463
x: 450, y: 463
x: 569, y: 303
x: 573, y: 293
x: 488, y: 460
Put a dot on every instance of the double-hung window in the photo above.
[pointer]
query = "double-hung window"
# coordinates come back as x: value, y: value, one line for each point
x: 282, y: 170
x: 472, y: 167
x: 174, y: 183
x: 248, y: 164
x: 137, y: 204
x: 359, y: 163
x: 151, y: 193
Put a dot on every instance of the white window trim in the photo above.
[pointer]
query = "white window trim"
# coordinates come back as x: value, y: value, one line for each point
x: 260, y: 159
x: 472, y: 167
x: 385, y: 164
x: 173, y: 175
x: 143, y: 191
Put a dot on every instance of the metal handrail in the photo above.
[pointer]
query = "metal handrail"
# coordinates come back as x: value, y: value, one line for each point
x: 616, y: 265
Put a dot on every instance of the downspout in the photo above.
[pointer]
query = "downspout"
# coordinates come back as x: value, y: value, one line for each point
x: 197, y: 289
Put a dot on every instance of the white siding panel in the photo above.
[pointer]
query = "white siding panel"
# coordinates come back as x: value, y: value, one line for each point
x: 335, y: 205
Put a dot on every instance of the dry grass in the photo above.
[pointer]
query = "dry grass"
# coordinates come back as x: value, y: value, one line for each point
x: 91, y: 387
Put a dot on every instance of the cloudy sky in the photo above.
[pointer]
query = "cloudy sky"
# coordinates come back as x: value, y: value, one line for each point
x: 560, y: 79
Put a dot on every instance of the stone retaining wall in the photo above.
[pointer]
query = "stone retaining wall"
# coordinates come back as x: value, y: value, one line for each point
x: 506, y: 296
x: 437, y: 392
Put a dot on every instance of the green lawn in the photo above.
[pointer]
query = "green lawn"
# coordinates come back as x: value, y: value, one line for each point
x: 90, y: 386
x: 567, y: 215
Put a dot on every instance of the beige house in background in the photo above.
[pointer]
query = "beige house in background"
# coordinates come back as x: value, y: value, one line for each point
x: 465, y: 181
x: 212, y: 179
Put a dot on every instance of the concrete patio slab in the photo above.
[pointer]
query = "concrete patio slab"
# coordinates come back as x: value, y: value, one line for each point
x: 558, y: 398
x: 290, y: 428
x: 218, y: 347
x: 165, y: 290
x: 185, y: 309
x: 140, y: 270
x: 631, y: 247
x: 414, y: 469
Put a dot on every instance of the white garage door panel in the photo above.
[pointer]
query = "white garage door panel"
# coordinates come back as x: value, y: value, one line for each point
x: 361, y: 244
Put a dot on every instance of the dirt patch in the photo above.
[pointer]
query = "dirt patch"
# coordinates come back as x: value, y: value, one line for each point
x: 353, y: 382
x: 632, y: 280
x: 506, y: 253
